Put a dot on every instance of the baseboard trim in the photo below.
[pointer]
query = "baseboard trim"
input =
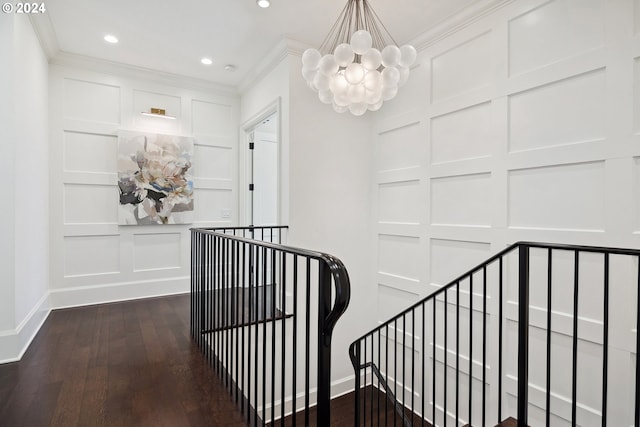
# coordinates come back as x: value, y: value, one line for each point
x: 14, y: 343
x: 116, y: 292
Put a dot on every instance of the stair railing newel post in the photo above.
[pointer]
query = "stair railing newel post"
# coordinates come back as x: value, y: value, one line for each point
x: 523, y: 334
x: 324, y: 346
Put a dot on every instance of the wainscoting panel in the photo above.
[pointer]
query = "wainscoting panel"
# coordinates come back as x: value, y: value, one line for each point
x: 566, y: 112
x: 85, y: 152
x: 576, y: 193
x: 462, y: 69
x: 462, y: 134
x: 93, y: 258
x: 461, y: 200
x: 525, y: 127
x: 397, y: 202
x: 542, y: 36
x: 91, y: 101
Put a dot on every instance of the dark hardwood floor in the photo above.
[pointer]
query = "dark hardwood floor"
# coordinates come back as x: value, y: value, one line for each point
x: 122, y: 364
x: 131, y: 364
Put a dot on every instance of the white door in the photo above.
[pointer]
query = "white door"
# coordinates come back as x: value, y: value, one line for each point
x: 264, y: 172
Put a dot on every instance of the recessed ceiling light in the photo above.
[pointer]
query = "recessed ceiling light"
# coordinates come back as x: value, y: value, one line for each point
x: 111, y: 39
x: 263, y: 3
x: 206, y: 61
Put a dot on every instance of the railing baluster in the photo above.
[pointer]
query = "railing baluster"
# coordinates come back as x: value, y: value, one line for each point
x: 457, y: 352
x: 470, y: 348
x: 605, y: 340
x: 273, y: 334
x: 549, y: 315
x: 484, y: 343
x: 500, y: 297
x: 264, y: 333
x: 357, y: 365
x: 307, y: 343
x: 574, y: 364
x: 424, y: 338
x: 413, y: 365
x: 236, y: 318
x: 244, y: 321
x: 446, y: 350
x: 249, y: 309
x: 386, y: 372
x: 395, y: 364
x: 523, y: 335
x: 364, y: 400
x: 380, y: 366
x: 283, y: 349
x: 637, y: 391
x: 372, y: 381
x: 433, y: 364
x: 404, y: 360
x: 295, y: 339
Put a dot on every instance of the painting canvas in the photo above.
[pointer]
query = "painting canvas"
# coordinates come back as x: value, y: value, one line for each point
x: 154, y: 179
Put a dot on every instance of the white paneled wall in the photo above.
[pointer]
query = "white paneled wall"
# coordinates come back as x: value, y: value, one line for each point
x: 93, y: 258
x: 523, y: 125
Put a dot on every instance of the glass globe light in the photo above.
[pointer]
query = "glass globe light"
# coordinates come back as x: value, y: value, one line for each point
x: 376, y: 106
x: 339, y: 84
x: 361, y: 41
x: 309, y: 74
x: 344, y: 54
x: 358, y: 108
x: 389, y: 92
x: 390, y: 56
x: 311, y: 59
x: 356, y: 93
x: 372, y: 96
x: 341, y: 99
x: 321, y: 81
x: 325, y: 96
x: 408, y: 55
x: 373, y: 80
x: 328, y: 65
x: 340, y: 108
x: 354, y: 73
x: 371, y: 59
x: 390, y: 76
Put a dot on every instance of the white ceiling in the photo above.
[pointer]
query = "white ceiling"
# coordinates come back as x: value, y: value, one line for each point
x: 172, y: 36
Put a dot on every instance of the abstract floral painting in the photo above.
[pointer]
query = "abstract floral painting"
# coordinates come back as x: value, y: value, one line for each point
x: 154, y: 179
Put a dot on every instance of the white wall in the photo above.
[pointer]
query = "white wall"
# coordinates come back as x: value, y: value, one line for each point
x: 94, y: 259
x: 25, y: 224
x: 521, y: 126
x: 325, y: 169
x: 7, y: 163
x: 330, y: 205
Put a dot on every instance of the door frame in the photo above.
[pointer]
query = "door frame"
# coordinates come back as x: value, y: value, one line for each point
x: 244, y: 158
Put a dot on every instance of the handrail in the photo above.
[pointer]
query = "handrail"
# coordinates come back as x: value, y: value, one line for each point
x: 239, y: 265
x: 434, y: 315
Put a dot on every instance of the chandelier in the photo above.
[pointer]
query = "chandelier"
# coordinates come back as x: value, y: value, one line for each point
x: 359, y: 65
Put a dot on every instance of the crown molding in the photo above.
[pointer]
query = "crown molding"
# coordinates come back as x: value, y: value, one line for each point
x: 457, y: 22
x: 271, y: 60
x: 41, y: 24
x: 66, y: 59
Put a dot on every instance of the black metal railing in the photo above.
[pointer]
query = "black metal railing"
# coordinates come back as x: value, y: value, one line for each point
x: 544, y: 334
x: 263, y: 314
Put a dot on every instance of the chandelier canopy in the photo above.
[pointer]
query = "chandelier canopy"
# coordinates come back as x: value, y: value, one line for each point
x: 359, y: 65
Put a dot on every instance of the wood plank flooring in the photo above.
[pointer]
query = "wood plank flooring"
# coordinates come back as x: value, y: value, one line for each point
x: 122, y: 364
x: 129, y: 364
